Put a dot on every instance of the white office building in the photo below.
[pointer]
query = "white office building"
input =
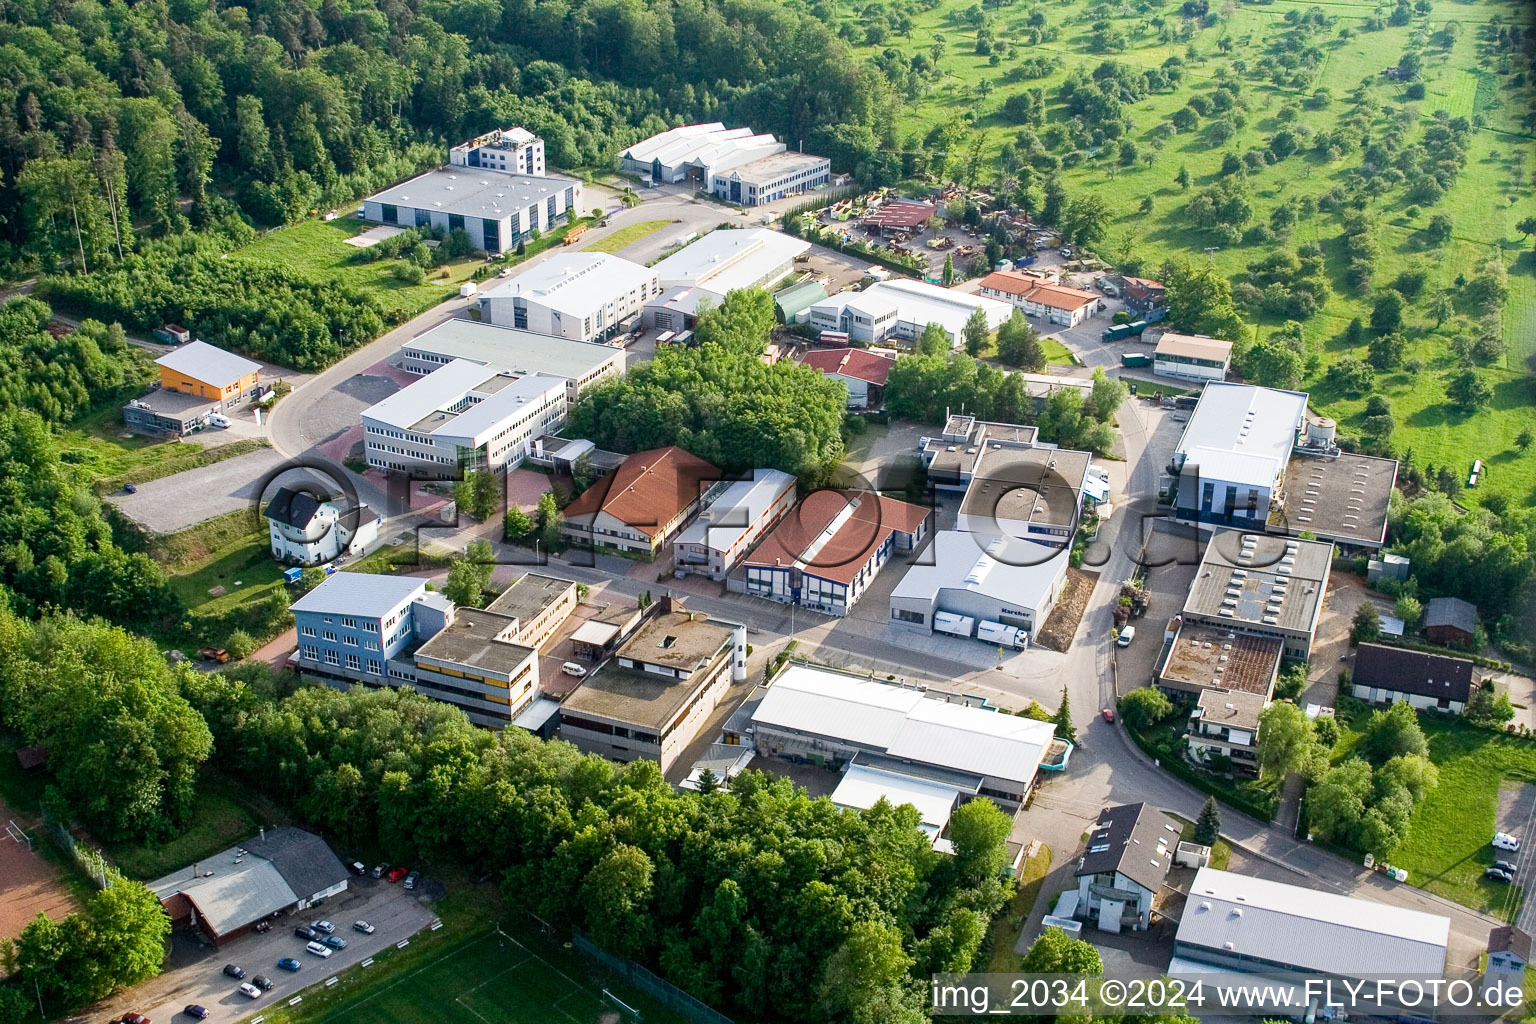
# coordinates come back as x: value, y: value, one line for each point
x: 354, y: 622
x: 510, y: 150
x: 734, y: 164
x: 903, y: 308
x: 735, y: 514
x: 1233, y: 455
x: 578, y: 296
x: 462, y: 415
x: 581, y: 363
x: 835, y: 718
x: 999, y: 590
x: 498, y: 209
x: 1191, y: 357
x: 722, y: 261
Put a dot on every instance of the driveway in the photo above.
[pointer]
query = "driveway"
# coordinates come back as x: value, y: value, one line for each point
x: 195, y: 973
x: 185, y: 499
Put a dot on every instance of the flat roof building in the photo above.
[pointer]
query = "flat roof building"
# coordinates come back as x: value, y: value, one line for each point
x: 511, y: 150
x: 1247, y: 925
x: 729, y: 259
x: 1233, y: 454
x: 497, y: 208
x: 462, y: 416
x: 826, y: 553
x: 642, y: 504
x: 170, y: 413
x: 1262, y: 586
x: 1342, y: 497
x: 735, y: 514
x: 650, y: 699
x: 1198, y: 657
x: 904, y: 308
x: 1226, y: 723
x: 1025, y: 493
x: 506, y: 349
x: 580, y: 296
x: 1191, y: 356
x: 863, y: 786
x: 967, y: 586
x: 900, y: 215
x: 836, y: 718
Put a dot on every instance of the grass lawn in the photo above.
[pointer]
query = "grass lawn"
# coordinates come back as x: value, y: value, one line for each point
x: 1221, y: 853
x: 102, y: 448
x: 1486, y: 200
x: 1056, y: 353
x: 241, y: 565
x: 1446, y: 846
x: 318, y: 249
x: 482, y: 974
x: 1005, y: 926
x: 628, y: 235
x: 219, y: 821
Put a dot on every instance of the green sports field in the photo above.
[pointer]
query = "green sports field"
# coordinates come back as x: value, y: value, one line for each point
x: 491, y: 979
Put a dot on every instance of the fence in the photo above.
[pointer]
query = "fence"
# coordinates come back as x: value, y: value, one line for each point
x: 647, y: 982
x: 91, y: 862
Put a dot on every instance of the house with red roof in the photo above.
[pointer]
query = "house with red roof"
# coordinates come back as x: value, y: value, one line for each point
x: 825, y: 554
x: 1056, y: 303
x: 864, y: 373
x: 639, y: 506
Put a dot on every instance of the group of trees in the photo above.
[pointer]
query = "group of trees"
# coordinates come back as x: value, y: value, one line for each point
x: 758, y: 900
x: 123, y: 744
x: 60, y: 378
x: 56, y: 546
x: 720, y: 402
x: 1365, y: 801
x: 543, y: 525
x: 1479, y: 556
x: 112, y: 121
x: 923, y: 387
x: 117, y: 939
x: 267, y: 311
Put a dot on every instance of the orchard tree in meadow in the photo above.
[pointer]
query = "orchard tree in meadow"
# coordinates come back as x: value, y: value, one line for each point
x: 1387, y: 313
x: 1467, y: 391
x: 1084, y: 219
x: 1526, y: 227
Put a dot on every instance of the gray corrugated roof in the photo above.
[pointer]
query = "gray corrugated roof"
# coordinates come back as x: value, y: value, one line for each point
x: 1134, y: 840
x: 264, y: 875
x: 208, y: 364
x: 1237, y: 915
x: 359, y: 593
x: 1450, y: 611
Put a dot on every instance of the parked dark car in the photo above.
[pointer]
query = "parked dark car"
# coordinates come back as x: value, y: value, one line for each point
x: 233, y: 971
x: 335, y: 941
x: 379, y: 869
x: 1498, y: 875
x: 262, y: 982
x: 197, y: 1012
x: 288, y: 963
x: 130, y: 489
x: 411, y: 879
x: 1506, y: 866
x: 306, y: 933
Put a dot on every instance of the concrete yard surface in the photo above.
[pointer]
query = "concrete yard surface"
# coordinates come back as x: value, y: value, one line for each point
x: 174, y: 503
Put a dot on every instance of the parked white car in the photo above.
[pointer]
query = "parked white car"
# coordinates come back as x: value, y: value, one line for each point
x: 320, y: 950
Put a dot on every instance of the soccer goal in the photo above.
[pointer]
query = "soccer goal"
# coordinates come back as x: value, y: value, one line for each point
x: 15, y: 831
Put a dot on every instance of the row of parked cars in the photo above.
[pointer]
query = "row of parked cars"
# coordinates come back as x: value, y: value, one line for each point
x: 388, y: 872
x: 320, y: 939
x: 1503, y: 870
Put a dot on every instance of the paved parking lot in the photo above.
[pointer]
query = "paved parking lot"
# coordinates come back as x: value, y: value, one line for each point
x: 176, y: 502
x: 195, y: 974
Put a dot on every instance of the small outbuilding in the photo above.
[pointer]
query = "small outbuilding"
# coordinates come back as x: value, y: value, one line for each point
x: 1450, y: 620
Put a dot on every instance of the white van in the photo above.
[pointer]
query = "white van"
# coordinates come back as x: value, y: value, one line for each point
x: 570, y: 668
x: 218, y: 420
x: 1126, y: 636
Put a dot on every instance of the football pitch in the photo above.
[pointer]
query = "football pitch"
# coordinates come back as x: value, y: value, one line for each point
x: 492, y: 979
